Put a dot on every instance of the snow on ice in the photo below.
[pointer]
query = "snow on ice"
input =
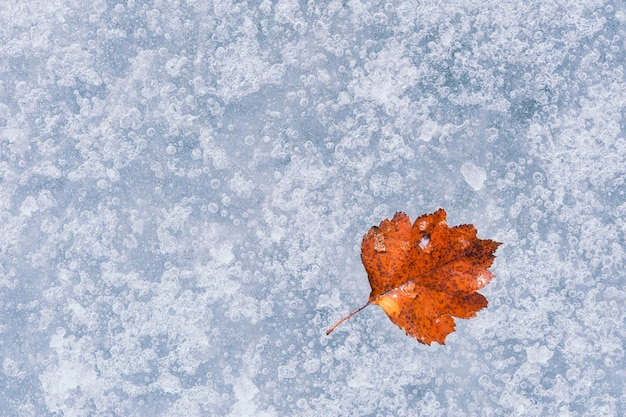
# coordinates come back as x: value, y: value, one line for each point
x: 184, y: 186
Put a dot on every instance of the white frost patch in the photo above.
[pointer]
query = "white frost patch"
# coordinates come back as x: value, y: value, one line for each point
x: 538, y: 354
x: 386, y: 78
x: 169, y: 383
x: 45, y: 200
x: 474, y: 175
x: 245, y: 390
x: 288, y: 371
x: 241, y: 186
x: 16, y: 140
x: 59, y: 383
x: 223, y: 254
x: 330, y: 301
x: 29, y: 206
x: 429, y: 130
x: 286, y: 10
x: 242, y: 70
x: 11, y: 368
x: 47, y: 169
x: 311, y: 366
x: 82, y: 316
x: 361, y: 378
x: 175, y: 65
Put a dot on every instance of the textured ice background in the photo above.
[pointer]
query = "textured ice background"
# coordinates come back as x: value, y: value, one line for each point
x: 184, y: 186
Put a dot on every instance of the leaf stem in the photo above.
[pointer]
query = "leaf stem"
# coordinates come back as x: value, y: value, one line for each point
x: 346, y: 318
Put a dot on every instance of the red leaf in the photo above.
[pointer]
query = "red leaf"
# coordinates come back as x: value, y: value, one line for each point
x: 423, y: 275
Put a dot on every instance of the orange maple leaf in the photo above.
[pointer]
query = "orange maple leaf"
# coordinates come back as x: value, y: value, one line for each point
x: 425, y: 274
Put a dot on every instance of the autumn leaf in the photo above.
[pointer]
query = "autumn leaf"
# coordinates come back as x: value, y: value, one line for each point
x: 423, y: 275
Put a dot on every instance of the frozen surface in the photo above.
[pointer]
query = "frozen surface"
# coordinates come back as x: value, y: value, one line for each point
x: 184, y: 187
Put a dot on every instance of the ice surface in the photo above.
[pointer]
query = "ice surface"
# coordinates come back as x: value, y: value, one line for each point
x: 184, y: 186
